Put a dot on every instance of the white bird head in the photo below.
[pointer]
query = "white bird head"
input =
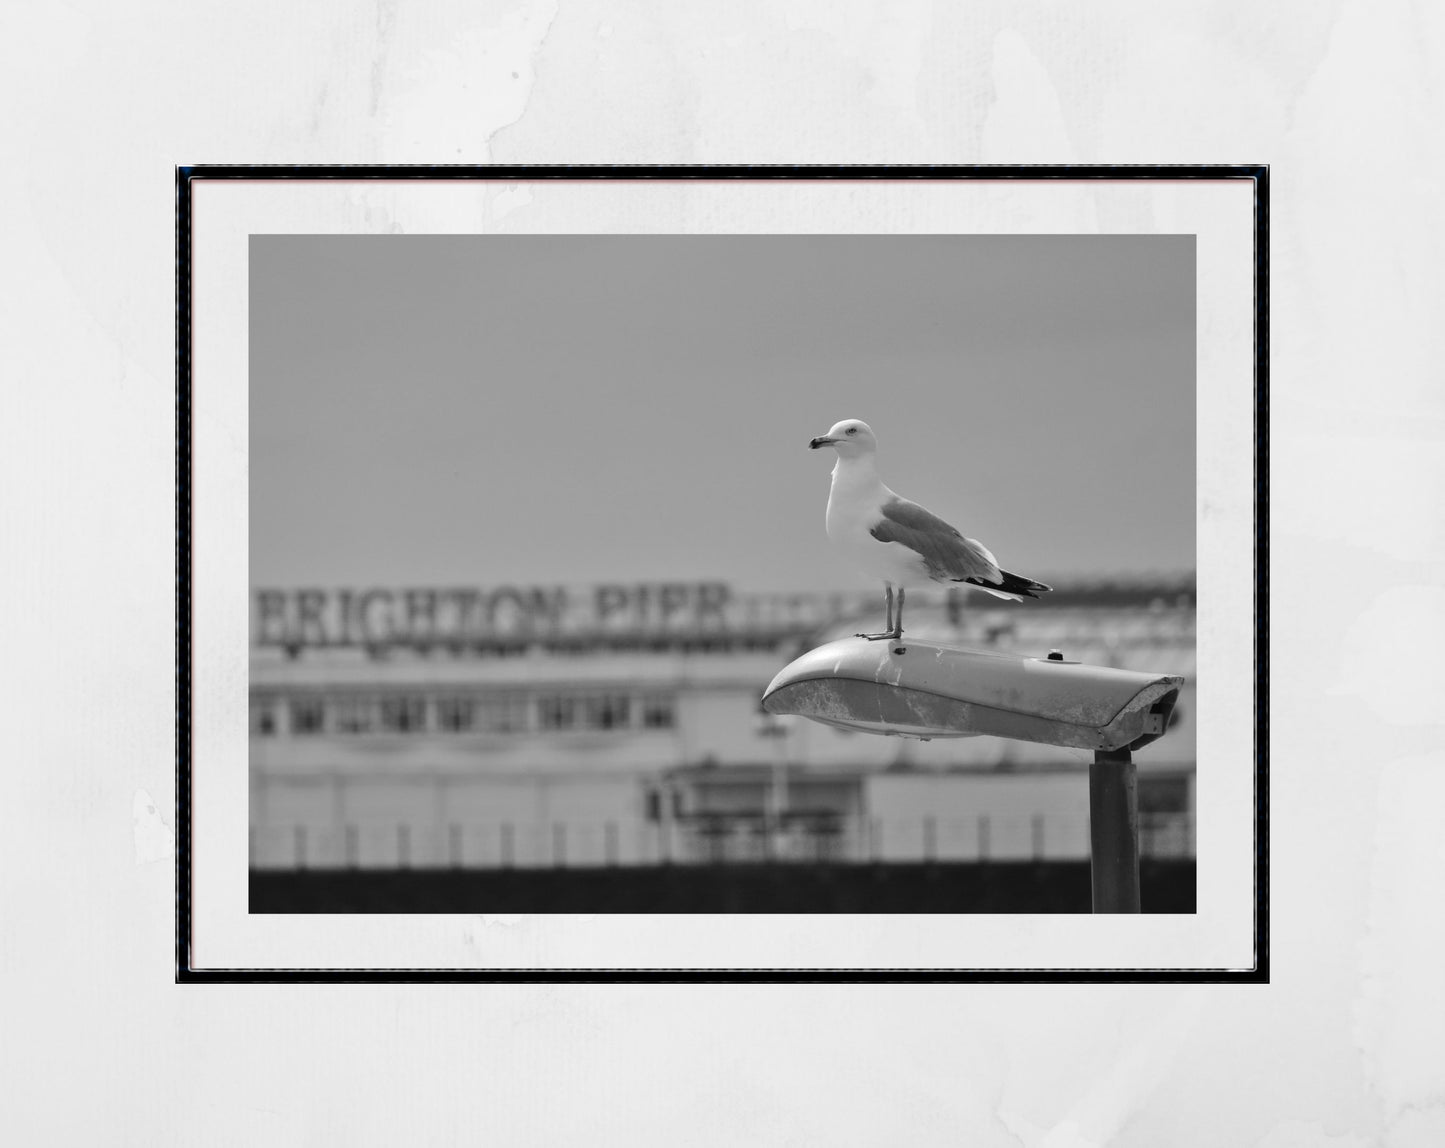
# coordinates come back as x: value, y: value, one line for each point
x: 849, y: 438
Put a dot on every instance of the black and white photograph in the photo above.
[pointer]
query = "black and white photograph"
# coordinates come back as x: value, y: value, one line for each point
x: 772, y: 574
x: 726, y: 570
x: 579, y: 582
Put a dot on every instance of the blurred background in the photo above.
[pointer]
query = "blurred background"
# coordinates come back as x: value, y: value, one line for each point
x: 534, y: 523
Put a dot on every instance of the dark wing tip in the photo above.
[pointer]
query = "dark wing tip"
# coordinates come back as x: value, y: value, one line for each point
x: 1012, y: 583
x: 1018, y: 585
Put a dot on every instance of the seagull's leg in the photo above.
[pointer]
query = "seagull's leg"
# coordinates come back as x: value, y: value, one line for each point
x: 898, y: 617
x: 889, y: 631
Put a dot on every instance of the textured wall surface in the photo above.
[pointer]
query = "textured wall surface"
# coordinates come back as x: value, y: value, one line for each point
x: 1344, y: 1049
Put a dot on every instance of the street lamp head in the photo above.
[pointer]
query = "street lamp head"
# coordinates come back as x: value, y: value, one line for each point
x: 924, y: 690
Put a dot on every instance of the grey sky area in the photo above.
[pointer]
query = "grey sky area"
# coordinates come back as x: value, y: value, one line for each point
x: 571, y: 409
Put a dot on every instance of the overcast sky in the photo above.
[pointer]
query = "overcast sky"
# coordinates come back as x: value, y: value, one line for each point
x: 570, y: 409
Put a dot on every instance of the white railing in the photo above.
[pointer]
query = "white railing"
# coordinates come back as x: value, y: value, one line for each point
x: 700, y: 841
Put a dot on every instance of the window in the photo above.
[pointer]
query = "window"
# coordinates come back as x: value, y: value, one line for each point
x: 456, y: 715
x: 609, y: 711
x: 308, y: 716
x: 263, y: 717
x: 556, y: 712
x: 403, y: 714
x: 354, y: 715
x: 659, y: 711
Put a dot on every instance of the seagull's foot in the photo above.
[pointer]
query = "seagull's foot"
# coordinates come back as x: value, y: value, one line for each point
x: 890, y: 636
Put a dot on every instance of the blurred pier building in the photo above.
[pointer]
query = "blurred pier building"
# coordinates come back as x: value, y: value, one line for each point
x: 619, y: 725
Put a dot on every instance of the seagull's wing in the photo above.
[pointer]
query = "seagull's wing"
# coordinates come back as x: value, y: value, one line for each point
x: 946, y: 552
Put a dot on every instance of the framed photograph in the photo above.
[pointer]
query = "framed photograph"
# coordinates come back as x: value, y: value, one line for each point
x: 771, y: 574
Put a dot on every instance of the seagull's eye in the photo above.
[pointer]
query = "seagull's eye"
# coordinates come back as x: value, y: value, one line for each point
x: 852, y: 430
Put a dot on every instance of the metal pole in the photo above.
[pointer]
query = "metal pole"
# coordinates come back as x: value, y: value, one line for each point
x: 1114, y: 831
x: 777, y: 797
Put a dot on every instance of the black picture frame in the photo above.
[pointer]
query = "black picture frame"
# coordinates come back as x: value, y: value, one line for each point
x: 186, y: 180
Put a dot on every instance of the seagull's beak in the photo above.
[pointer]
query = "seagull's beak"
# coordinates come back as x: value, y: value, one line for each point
x: 821, y: 440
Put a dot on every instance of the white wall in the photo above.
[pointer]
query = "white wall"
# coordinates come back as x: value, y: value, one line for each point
x: 972, y: 817
x: 437, y: 820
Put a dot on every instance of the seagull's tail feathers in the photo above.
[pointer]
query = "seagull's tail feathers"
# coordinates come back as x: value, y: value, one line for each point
x: 1009, y: 586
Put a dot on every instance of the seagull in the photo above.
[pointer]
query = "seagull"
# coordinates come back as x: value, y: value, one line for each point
x: 897, y: 540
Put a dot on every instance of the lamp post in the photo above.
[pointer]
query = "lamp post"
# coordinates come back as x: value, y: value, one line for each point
x: 1114, y: 831
x: 924, y: 690
x: 775, y: 728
